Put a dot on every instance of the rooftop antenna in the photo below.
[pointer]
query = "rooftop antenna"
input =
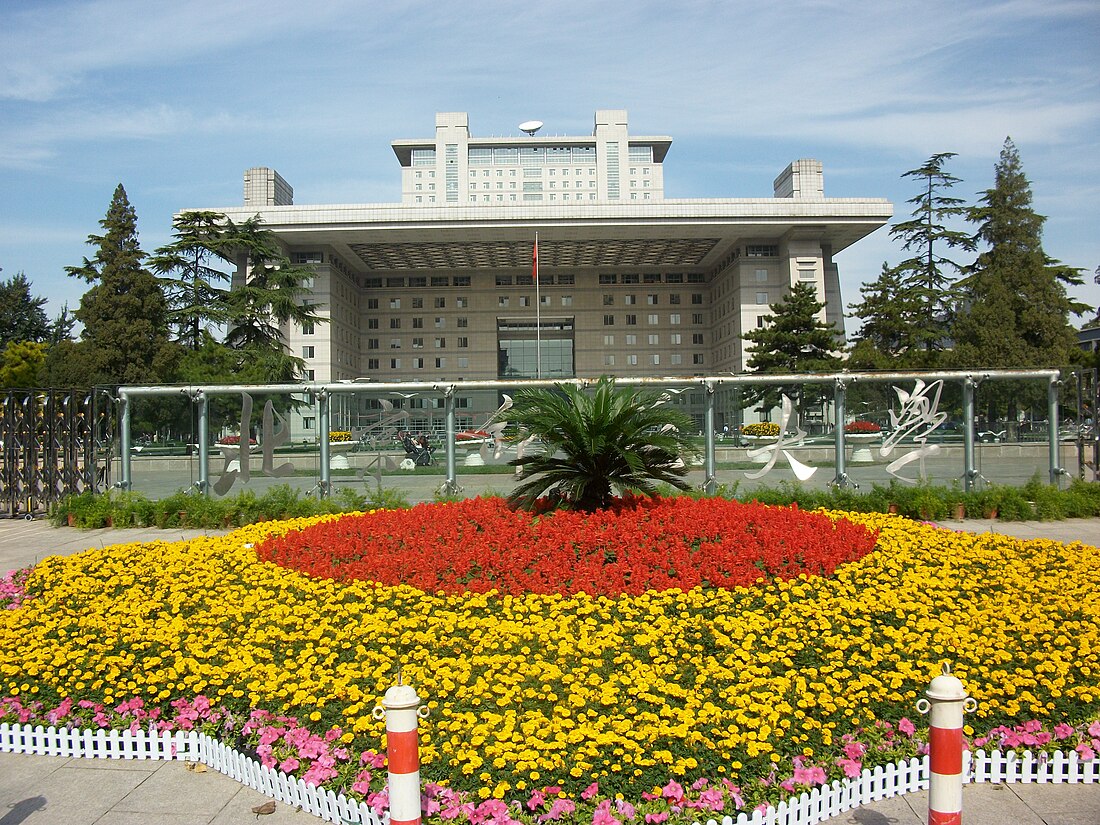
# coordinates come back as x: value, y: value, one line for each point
x: 530, y: 126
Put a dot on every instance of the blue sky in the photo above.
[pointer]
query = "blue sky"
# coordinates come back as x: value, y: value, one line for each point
x: 175, y: 100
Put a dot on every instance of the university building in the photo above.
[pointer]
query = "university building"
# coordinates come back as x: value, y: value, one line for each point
x: 440, y: 286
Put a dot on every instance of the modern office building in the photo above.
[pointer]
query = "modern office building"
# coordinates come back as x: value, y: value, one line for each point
x: 440, y: 286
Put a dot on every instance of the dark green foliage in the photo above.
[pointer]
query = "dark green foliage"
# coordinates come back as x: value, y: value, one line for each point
x: 927, y: 277
x: 1017, y: 310
x: 889, y: 313
x: 793, y: 340
x: 21, y: 315
x: 125, y: 336
x: 592, y: 443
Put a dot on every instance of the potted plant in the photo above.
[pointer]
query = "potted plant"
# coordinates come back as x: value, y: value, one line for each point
x: 861, y: 433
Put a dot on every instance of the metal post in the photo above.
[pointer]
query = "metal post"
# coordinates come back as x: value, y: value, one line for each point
x: 840, y: 395
x: 402, y: 712
x: 970, y: 472
x: 946, y: 702
x: 323, y: 399
x: 1052, y: 429
x: 450, y: 484
x: 204, y: 440
x: 126, y: 482
x: 710, y: 484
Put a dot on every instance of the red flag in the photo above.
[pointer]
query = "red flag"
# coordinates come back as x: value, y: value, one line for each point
x: 535, y: 261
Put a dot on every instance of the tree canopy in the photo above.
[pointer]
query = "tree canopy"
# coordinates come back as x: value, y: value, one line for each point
x: 22, y: 317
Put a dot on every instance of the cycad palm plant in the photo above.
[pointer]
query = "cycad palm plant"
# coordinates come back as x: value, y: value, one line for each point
x: 593, y: 443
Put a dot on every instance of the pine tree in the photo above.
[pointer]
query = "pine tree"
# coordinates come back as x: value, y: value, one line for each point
x: 793, y: 340
x: 21, y: 315
x: 1017, y: 309
x: 125, y: 335
x: 890, y: 313
x: 928, y: 275
x: 190, y: 276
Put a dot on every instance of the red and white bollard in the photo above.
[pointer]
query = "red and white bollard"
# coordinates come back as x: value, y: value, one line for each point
x: 401, y: 709
x: 946, y: 702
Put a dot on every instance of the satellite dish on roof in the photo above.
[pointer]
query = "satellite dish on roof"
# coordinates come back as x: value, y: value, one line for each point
x: 530, y: 126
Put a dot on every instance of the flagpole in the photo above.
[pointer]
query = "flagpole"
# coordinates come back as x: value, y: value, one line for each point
x: 538, y: 314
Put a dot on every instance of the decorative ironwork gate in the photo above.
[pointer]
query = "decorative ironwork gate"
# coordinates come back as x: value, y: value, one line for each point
x: 53, y: 444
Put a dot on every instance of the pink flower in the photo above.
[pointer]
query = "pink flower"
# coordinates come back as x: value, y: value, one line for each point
x: 1094, y: 729
x: 673, y: 792
x: 1085, y: 752
x: 603, y: 816
x: 851, y: 767
x: 558, y: 809
x: 624, y: 808
x: 1063, y: 731
x: 907, y: 727
x: 590, y: 791
x: 855, y: 750
x: 807, y: 775
x: 735, y: 793
x: 289, y: 765
x: 655, y: 819
x: 711, y: 800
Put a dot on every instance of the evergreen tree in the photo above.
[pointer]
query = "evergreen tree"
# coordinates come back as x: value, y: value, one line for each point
x: 271, y: 294
x: 190, y: 278
x: 125, y: 335
x: 793, y: 340
x: 21, y: 315
x: 890, y: 312
x: 1016, y: 310
x: 923, y: 276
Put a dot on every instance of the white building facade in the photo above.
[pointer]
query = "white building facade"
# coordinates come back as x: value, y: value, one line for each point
x: 439, y: 287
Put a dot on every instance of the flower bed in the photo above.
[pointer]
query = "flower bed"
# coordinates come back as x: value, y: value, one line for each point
x: 689, y: 700
x: 862, y: 428
x: 761, y: 429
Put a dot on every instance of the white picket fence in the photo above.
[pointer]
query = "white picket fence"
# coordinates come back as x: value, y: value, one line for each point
x: 808, y: 808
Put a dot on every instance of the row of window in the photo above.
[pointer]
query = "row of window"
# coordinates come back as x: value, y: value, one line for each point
x: 653, y: 319
x: 631, y: 360
x: 652, y: 299
x: 545, y: 279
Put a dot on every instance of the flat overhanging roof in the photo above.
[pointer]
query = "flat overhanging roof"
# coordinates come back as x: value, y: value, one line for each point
x: 688, y: 234
x: 403, y: 148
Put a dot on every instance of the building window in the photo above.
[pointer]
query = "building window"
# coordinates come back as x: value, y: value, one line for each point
x: 674, y: 318
x: 372, y: 363
x: 462, y: 302
x: 630, y: 300
x: 418, y: 323
x: 697, y: 298
x: 697, y: 338
x: 524, y: 301
x: 632, y: 360
x: 311, y: 375
x: 502, y: 300
x: 463, y: 363
x: 504, y: 280
x: 631, y: 340
x: 609, y: 340
x: 372, y: 343
x: 395, y: 323
x: 608, y: 300
x: 676, y: 359
x: 652, y: 300
x: 567, y: 300
x: 372, y: 323
x: 395, y: 363
x: 418, y: 343
x: 674, y: 338
x: 307, y: 352
x: 372, y: 303
x: 759, y: 321
x: 440, y: 343
x: 608, y: 360
x: 761, y: 251
x: 440, y: 303
x: 761, y: 276
x: 463, y: 342
x: 307, y: 328
x: 655, y: 359
x: 609, y: 320
x: 696, y: 317
x: 652, y: 318
x: 395, y: 303
x: 395, y: 343
x: 654, y: 340
x: 631, y: 320
x: 697, y: 358
x: 462, y: 323
x: 418, y: 303
x: 308, y: 422
x: 439, y: 322
x: 674, y: 298
x: 762, y: 298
